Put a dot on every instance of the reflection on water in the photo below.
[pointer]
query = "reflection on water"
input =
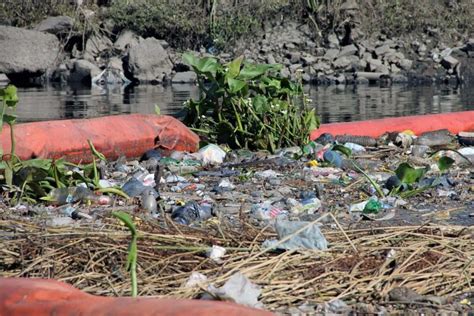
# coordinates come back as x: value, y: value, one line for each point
x: 333, y: 103
x: 355, y: 103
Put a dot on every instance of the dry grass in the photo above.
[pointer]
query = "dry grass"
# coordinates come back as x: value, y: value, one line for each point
x: 430, y: 260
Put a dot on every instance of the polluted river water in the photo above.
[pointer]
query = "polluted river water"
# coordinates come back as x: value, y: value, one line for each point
x: 333, y: 103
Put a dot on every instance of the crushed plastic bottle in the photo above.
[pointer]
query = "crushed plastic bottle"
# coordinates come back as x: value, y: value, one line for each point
x: 333, y: 158
x: 355, y: 148
x: 192, y: 212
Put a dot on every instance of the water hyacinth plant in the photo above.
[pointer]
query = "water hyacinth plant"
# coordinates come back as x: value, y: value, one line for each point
x: 248, y: 105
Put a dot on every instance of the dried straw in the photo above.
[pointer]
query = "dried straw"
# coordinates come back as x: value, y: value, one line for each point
x: 361, y: 265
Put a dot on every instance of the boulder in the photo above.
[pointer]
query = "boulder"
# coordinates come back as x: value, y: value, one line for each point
x: 3, y: 80
x: 449, y: 62
x: 56, y: 25
x: 321, y: 66
x: 83, y: 71
x: 382, y: 50
x: 184, y: 77
x: 270, y: 59
x: 96, y: 45
x: 308, y: 60
x: 348, y: 50
x: 26, y: 51
x: 331, y: 54
x: 125, y: 40
x: 341, y: 62
x: 148, y: 61
x: 333, y: 41
x: 405, y: 64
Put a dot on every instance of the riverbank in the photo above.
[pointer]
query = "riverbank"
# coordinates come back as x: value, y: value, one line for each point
x: 142, y: 41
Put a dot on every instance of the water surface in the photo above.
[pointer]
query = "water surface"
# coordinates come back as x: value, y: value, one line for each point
x: 333, y: 103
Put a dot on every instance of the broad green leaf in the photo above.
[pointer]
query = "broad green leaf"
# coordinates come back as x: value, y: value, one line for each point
x: 251, y: 71
x: 10, y: 93
x: 234, y: 67
x: 127, y: 220
x: 343, y: 149
x: 190, y: 59
x: 236, y: 85
x: 11, y: 103
x: 207, y: 65
x: 260, y: 104
x: 9, y: 119
x: 445, y: 163
x: 408, y: 174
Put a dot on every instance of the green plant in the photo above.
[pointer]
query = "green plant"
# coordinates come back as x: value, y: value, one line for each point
x: 248, y: 105
x: 132, y: 249
x: 9, y: 99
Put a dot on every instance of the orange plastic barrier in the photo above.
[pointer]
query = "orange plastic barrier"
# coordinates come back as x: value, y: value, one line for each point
x: 455, y: 122
x: 129, y: 135
x: 37, y: 297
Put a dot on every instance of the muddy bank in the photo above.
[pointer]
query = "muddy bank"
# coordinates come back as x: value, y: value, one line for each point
x: 115, y: 44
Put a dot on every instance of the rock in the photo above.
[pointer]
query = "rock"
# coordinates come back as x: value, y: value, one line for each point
x: 331, y: 54
x: 148, y: 61
x: 341, y: 62
x: 321, y: 66
x: 338, y: 79
x: 405, y: 64
x: 56, y: 25
x: 115, y: 63
x: 383, y: 69
x: 308, y: 60
x: 125, y: 40
x: 295, y: 57
x: 61, y: 74
x: 95, y: 46
x: 26, y: 51
x: 333, y: 41
x: 382, y: 50
x: 373, y: 64
x: 83, y: 71
x: 295, y: 67
x: 394, y: 69
x: 449, y: 62
x: 349, y: 5
x: 285, y: 73
x: 306, y: 78
x: 185, y: 77
x: 348, y: 50
x: 3, y: 80
x: 271, y: 59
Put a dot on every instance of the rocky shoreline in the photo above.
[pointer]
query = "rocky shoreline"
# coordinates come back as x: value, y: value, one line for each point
x: 52, y: 53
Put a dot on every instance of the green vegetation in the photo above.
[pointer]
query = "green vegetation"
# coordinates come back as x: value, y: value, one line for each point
x: 24, y: 13
x: 248, y: 105
x: 132, y: 249
x: 221, y: 23
x: 191, y: 24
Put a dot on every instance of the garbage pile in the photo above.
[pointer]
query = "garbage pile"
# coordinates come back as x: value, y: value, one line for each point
x: 286, y: 221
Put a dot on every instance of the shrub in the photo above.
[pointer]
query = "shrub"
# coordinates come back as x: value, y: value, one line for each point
x: 248, y: 105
